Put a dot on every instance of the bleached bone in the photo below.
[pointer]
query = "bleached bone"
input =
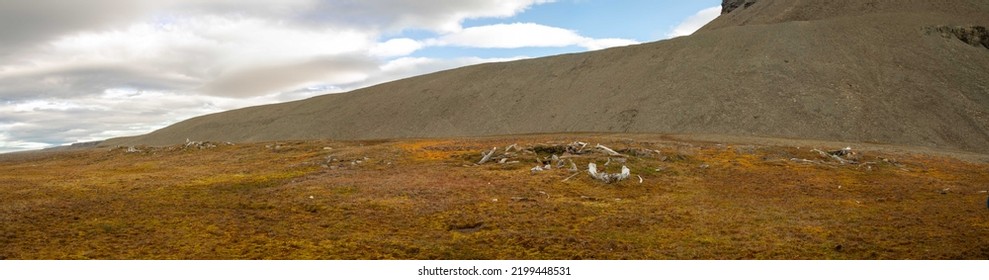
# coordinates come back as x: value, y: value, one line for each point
x: 571, y: 176
x: 608, y: 150
x: 576, y: 147
x: 487, y: 156
x: 832, y: 155
x: 608, y: 177
x: 559, y: 162
x: 803, y: 160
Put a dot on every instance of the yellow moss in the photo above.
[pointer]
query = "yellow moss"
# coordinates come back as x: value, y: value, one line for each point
x: 427, y: 150
x: 249, y: 201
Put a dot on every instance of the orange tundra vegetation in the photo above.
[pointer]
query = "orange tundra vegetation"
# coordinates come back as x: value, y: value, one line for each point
x: 428, y: 199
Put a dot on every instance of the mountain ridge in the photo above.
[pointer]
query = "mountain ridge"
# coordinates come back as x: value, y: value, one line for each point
x: 865, y: 77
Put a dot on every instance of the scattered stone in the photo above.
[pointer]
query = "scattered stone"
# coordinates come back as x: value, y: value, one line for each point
x: 576, y: 148
x: 522, y: 199
x: 199, y: 145
x: 641, y: 153
x: 843, y: 152
x: 838, y: 155
x: 584, y: 197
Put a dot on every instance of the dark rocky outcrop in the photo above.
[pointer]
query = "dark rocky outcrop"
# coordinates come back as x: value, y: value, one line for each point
x: 727, y: 6
x: 763, y: 12
x: 977, y: 36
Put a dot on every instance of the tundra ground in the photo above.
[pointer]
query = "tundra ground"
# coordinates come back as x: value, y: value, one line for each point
x: 428, y: 199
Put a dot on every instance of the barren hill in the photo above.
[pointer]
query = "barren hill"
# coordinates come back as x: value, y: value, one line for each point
x: 904, y: 72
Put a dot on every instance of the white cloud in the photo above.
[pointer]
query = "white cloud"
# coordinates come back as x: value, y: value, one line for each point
x: 515, y: 35
x: 439, y: 15
x: 597, y: 44
x: 267, y: 79
x: 34, y: 124
x: 695, y: 22
x: 520, y: 35
x: 41, y: 123
x: 24, y: 24
x: 88, y: 70
x: 395, y: 47
x: 190, y: 54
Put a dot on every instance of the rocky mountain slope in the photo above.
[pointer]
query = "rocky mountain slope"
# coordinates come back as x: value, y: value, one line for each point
x: 901, y: 72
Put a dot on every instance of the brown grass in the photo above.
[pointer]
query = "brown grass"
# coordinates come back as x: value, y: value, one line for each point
x: 424, y: 199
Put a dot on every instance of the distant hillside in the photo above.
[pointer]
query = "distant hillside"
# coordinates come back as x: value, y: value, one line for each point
x: 900, y: 72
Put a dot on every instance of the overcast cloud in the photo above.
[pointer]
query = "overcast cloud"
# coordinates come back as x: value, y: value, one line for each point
x: 75, y: 71
x: 695, y: 22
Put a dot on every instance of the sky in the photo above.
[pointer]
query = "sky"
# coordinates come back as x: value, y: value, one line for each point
x: 78, y: 71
